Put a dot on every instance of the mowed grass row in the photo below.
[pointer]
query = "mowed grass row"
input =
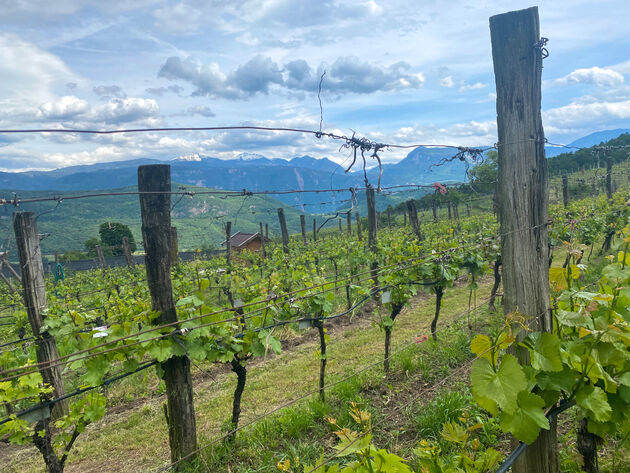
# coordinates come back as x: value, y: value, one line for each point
x: 133, y: 436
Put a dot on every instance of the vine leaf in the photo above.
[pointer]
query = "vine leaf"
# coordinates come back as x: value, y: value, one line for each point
x: 594, y: 400
x: 545, y: 351
x: 497, y: 388
x: 527, y: 419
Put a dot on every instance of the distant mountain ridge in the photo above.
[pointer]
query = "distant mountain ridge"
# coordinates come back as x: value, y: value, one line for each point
x: 255, y: 172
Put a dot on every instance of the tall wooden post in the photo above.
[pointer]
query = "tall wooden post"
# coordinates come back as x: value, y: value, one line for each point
x: 358, y: 219
x: 267, y: 230
x: 127, y: 252
x: 413, y: 216
x: 522, y: 192
x: 609, y: 189
x: 314, y: 229
x: 174, y: 246
x: 565, y: 190
x: 101, y: 256
x: 404, y: 218
x: 450, y: 213
x: 283, y: 229
x: 371, y: 208
x: 228, y: 245
x: 349, y: 223
x: 303, y: 225
x: 34, y: 293
x: 340, y: 227
x: 4, y: 258
x: 262, y: 240
x: 154, y: 183
x: 434, y: 208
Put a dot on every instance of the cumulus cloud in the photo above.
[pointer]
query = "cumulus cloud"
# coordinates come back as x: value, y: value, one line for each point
x: 601, y: 77
x: 160, y: 91
x: 108, y: 91
x: 447, y: 82
x: 202, y: 110
x: 180, y: 18
x: 475, y: 86
x: 73, y: 109
x: 347, y: 74
x: 584, y: 114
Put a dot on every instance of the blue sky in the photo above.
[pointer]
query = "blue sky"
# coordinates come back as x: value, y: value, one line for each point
x: 401, y: 72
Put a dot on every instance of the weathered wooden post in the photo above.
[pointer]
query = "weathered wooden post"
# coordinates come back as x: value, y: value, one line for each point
x: 4, y: 258
x: 434, y: 208
x: 228, y: 245
x: 174, y: 246
x: 314, y: 229
x: 127, y: 252
x: 565, y: 190
x: 371, y: 207
x: 154, y: 184
x: 522, y: 192
x: 283, y: 230
x: 358, y: 219
x: 303, y: 225
x: 609, y: 188
x: 267, y: 230
x: 34, y: 293
x: 349, y: 223
x: 340, y: 227
x: 450, y: 213
x: 404, y: 218
x: 262, y: 240
x: 101, y: 256
x: 413, y: 216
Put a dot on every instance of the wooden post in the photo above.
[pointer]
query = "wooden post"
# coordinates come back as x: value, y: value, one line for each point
x: 434, y: 208
x: 4, y: 257
x: 522, y: 192
x: 101, y: 256
x: 56, y: 257
x: 262, y: 240
x: 349, y: 223
x: 413, y: 216
x: 174, y: 247
x: 283, y: 229
x: 154, y: 183
x: 228, y: 245
x: 267, y: 230
x: 315, y: 229
x: 450, y: 213
x: 404, y: 218
x: 303, y: 225
x: 565, y: 190
x: 340, y: 227
x: 127, y: 252
x: 609, y: 189
x: 371, y: 207
x: 6, y: 281
x: 358, y: 219
x: 34, y: 293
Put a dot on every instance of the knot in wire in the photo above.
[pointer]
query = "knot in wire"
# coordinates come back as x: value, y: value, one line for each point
x: 247, y: 193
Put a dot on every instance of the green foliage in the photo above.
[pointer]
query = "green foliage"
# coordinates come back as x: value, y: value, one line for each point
x: 112, y: 234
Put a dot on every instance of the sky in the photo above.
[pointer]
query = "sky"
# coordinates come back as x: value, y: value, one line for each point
x: 403, y: 72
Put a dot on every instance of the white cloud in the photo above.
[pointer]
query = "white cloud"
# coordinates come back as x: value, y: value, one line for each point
x: 596, y: 115
x: 475, y: 86
x: 447, y: 82
x: 601, y: 77
x: 66, y: 108
x: 179, y: 18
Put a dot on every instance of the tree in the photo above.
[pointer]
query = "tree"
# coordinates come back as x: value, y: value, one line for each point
x: 484, y: 175
x: 112, y: 234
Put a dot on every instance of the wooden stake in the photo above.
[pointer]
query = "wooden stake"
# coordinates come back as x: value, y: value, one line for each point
x: 349, y: 223
x: 522, y: 192
x: 262, y: 240
x: 101, y: 256
x: 565, y: 190
x: 314, y: 229
x: 127, y: 252
x: 174, y: 247
x: 413, y: 216
x: 34, y: 293
x: 303, y: 225
x: 154, y: 185
x: 358, y: 219
x: 228, y: 245
x: 283, y: 229
x: 371, y: 206
x: 609, y: 188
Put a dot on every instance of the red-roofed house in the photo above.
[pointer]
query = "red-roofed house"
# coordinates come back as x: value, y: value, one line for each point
x: 241, y: 241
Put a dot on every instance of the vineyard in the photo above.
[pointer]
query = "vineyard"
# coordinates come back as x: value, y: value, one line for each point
x: 426, y: 339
